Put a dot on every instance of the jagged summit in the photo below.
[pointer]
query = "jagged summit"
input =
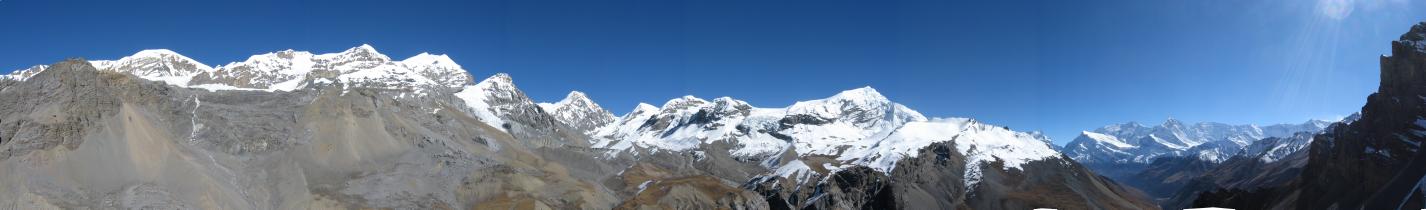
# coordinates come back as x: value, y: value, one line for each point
x: 575, y: 97
x: 439, y: 68
x: 1401, y: 74
x: 1172, y: 122
x: 1416, y: 38
x: 364, y: 52
x: 578, y: 111
x: 498, y: 81
x: 487, y: 97
x: 863, y: 107
x: 431, y: 59
x: 499, y: 78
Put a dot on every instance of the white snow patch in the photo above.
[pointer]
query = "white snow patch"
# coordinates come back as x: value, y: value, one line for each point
x: 1107, y: 139
x: 193, y: 120
x: 474, y: 97
x: 645, y: 185
x: 795, y: 170
x: 222, y: 87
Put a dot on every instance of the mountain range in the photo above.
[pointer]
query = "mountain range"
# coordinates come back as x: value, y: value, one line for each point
x: 1161, y: 159
x: 357, y: 129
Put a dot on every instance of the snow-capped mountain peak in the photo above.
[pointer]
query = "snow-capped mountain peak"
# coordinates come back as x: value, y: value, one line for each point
x: 682, y: 103
x: 574, y: 98
x: 156, y: 64
x: 578, y: 111
x: 498, y: 81
x: 1172, y: 123
x: 365, y: 52
x: 439, y: 68
x: 428, y: 59
x: 727, y: 104
x: 866, y: 93
x: 863, y: 107
x: 644, y: 107
x: 497, y: 101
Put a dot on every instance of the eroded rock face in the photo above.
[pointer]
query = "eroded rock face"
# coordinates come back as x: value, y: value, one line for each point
x: 76, y: 96
x: 75, y: 137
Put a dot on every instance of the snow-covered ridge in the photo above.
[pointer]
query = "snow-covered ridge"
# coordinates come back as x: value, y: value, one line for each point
x: 24, y: 74
x: 288, y: 70
x: 858, y: 127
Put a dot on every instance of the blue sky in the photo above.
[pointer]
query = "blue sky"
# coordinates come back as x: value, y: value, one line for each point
x: 1055, y: 66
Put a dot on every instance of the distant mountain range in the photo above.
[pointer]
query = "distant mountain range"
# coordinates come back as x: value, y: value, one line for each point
x: 1161, y: 159
x: 1131, y: 143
